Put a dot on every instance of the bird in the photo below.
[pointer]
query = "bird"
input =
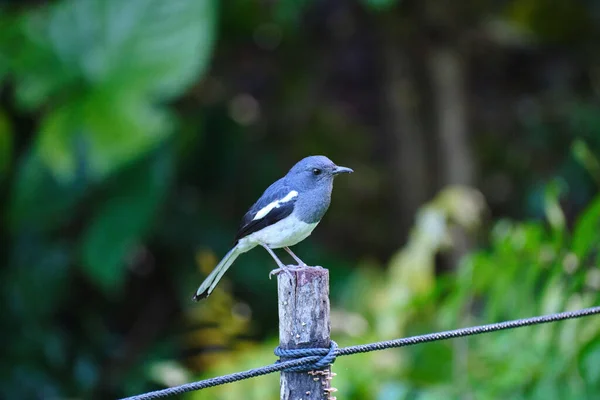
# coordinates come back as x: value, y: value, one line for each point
x: 284, y: 215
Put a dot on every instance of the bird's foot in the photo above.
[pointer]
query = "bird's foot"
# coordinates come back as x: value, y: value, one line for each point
x: 285, y: 269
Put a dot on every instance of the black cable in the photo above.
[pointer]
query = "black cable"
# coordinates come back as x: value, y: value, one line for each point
x: 475, y: 330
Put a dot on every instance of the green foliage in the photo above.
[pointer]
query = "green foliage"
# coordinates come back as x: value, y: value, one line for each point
x: 26, y: 210
x: 87, y: 188
x: 585, y: 235
x: 104, y: 66
x: 123, y: 219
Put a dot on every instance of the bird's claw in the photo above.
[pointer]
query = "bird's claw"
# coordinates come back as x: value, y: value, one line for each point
x: 286, y: 269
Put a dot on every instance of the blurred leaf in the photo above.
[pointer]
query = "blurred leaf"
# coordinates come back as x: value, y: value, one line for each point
x: 56, y: 142
x: 6, y: 144
x: 37, y: 200
x: 586, y: 230
x: 587, y: 158
x: 36, y: 71
x: 149, y: 46
x: 553, y: 210
x: 589, y: 363
x: 99, y: 134
x: 547, y: 388
x: 123, y: 219
x: 107, y: 63
x: 432, y: 359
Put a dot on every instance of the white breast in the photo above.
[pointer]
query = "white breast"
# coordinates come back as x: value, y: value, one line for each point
x: 284, y: 233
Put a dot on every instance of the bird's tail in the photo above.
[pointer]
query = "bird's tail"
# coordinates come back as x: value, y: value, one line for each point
x: 215, y: 276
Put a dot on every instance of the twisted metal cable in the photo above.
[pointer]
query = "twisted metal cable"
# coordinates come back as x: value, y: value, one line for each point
x: 475, y: 330
x: 309, y: 359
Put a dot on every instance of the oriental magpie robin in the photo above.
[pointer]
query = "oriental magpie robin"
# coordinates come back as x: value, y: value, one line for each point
x: 285, y: 214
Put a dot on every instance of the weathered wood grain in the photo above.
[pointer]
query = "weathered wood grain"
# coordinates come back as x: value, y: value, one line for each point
x: 304, y: 323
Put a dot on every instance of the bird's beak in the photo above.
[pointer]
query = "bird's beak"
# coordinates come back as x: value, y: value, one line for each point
x: 342, y: 170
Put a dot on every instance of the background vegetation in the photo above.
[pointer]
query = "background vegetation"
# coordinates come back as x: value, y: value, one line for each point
x: 134, y: 134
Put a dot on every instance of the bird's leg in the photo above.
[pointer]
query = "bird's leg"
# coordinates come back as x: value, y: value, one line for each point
x: 282, y: 266
x: 272, y: 253
x: 295, y: 257
x: 301, y: 264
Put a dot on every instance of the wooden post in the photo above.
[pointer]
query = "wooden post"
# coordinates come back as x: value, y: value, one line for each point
x: 304, y: 323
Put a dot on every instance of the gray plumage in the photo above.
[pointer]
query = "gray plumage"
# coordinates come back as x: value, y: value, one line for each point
x: 285, y: 214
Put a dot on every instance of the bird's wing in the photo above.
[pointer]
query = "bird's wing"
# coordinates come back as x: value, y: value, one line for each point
x: 276, y: 203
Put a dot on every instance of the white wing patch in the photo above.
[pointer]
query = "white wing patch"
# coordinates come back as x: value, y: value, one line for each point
x: 275, y: 204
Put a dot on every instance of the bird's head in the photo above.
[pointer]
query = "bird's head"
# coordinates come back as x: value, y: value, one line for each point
x: 315, y: 171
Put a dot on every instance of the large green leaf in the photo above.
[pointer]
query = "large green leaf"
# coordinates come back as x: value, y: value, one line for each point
x: 99, y: 134
x: 149, y: 46
x: 122, y: 221
x: 104, y: 66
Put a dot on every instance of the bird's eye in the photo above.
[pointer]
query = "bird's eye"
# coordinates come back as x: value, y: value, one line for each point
x: 316, y: 171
